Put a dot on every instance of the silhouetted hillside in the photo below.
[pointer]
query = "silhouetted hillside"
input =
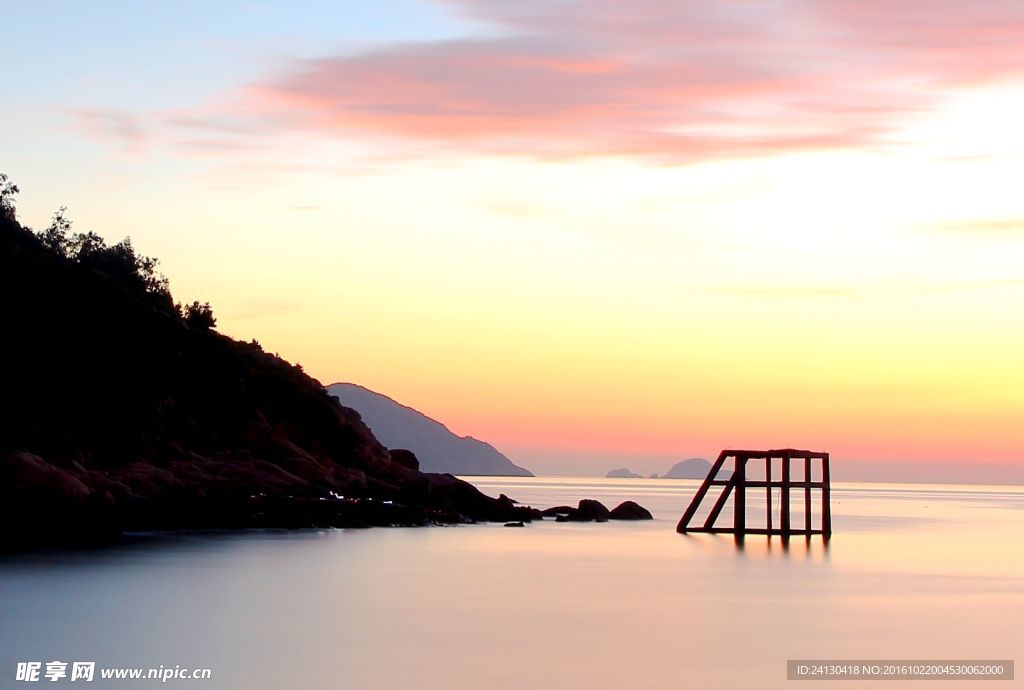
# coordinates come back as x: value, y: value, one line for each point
x: 438, y: 449
x: 122, y: 410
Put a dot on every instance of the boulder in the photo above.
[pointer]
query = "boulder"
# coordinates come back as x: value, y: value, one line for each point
x: 23, y: 469
x: 505, y: 503
x: 555, y: 511
x: 590, y: 509
x: 587, y: 511
x: 405, y: 458
x: 514, y: 524
x: 630, y: 510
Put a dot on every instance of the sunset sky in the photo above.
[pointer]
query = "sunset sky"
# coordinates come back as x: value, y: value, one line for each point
x: 596, y: 234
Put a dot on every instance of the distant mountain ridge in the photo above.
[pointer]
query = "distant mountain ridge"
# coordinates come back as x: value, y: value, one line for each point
x: 691, y: 468
x: 438, y: 448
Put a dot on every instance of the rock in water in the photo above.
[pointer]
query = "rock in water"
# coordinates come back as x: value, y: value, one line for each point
x: 555, y: 511
x: 630, y: 510
x: 590, y: 509
x: 514, y: 524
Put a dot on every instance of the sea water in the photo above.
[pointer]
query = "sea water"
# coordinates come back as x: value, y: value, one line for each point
x: 911, y: 572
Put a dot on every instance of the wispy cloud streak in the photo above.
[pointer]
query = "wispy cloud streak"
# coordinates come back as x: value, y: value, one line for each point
x: 659, y: 79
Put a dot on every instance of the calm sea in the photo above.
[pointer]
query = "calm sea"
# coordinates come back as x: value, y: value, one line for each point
x: 912, y: 572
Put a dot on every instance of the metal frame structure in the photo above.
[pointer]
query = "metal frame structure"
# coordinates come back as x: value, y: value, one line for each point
x: 738, y: 484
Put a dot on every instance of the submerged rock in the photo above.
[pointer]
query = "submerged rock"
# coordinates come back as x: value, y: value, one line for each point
x: 590, y: 509
x: 630, y: 510
x: 555, y: 511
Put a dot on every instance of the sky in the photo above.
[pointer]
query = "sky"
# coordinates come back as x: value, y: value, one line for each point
x: 595, y: 234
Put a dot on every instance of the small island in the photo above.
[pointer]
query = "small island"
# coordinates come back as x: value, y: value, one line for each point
x: 691, y: 468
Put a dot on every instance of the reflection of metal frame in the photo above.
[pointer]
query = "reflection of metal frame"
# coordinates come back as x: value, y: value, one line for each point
x: 738, y: 484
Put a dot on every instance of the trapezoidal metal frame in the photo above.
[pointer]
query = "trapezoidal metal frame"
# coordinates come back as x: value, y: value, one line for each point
x: 738, y: 484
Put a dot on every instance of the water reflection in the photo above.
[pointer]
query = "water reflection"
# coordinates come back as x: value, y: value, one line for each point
x: 813, y: 548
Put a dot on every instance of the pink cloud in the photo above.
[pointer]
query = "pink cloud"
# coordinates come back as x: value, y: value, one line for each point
x: 654, y: 78
x: 659, y: 79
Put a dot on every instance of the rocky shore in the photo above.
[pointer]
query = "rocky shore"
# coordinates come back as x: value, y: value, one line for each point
x: 590, y: 510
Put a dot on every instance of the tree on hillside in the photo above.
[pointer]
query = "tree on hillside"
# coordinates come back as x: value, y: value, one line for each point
x: 199, y: 316
x: 56, y: 236
x: 8, y: 190
x: 119, y: 261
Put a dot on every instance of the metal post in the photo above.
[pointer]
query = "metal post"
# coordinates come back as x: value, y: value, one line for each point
x: 807, y: 495
x: 826, y: 511
x: 784, y: 508
x: 739, y: 520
